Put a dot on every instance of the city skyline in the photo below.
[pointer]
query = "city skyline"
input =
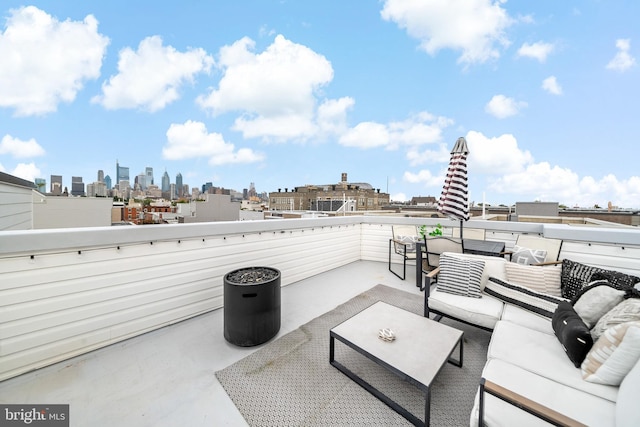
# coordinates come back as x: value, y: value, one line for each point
x: 295, y: 93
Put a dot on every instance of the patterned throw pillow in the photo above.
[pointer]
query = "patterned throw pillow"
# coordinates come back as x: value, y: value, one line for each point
x: 627, y: 311
x: 572, y: 333
x: 595, y: 301
x: 523, y: 297
x: 541, y: 279
x: 460, y: 276
x: 576, y: 276
x: 613, y: 355
x: 526, y: 256
x: 616, y: 279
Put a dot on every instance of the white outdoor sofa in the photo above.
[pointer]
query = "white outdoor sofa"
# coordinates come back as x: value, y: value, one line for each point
x: 527, y: 366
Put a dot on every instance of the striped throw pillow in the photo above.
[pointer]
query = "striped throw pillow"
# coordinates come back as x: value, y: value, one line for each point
x: 613, y: 355
x: 540, y: 279
x: 539, y: 303
x: 460, y: 276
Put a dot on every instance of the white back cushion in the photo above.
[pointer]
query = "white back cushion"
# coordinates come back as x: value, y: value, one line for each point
x: 627, y: 413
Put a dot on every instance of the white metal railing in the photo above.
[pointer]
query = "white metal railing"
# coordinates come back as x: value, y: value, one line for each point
x: 65, y: 292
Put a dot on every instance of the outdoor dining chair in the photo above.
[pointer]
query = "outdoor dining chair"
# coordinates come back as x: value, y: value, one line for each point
x: 403, y: 243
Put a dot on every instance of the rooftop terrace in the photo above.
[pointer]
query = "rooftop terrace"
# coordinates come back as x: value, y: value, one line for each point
x: 125, y: 324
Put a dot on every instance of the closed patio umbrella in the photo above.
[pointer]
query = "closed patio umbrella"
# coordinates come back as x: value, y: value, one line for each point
x: 454, y: 198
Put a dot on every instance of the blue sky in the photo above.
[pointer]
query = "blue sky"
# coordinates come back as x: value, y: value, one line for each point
x: 290, y: 93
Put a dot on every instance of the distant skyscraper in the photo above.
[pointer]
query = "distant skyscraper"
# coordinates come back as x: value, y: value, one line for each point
x: 107, y: 180
x: 77, y: 186
x: 56, y: 184
x: 141, y: 180
x: 41, y: 185
x: 179, y: 184
x: 100, y: 175
x: 149, y: 173
x: 122, y: 173
x: 166, y: 182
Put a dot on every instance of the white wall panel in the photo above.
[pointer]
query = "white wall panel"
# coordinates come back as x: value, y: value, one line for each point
x: 16, y: 209
x: 66, y: 292
x: 57, y: 305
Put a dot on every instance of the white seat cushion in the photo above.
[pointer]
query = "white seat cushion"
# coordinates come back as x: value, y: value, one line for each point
x: 520, y: 316
x: 541, y: 354
x: 483, y: 311
x: 579, y: 405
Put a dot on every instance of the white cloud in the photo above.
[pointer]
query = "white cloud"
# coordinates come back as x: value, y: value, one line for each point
x: 332, y: 115
x: 538, y: 50
x: 424, y: 177
x: 416, y: 157
x: 511, y: 170
x: 277, y: 91
x: 46, y: 61
x: 20, y: 149
x: 366, y: 135
x: 502, y: 107
x: 192, y: 140
x: 28, y: 171
x: 475, y: 27
x: 551, y: 85
x: 498, y: 155
x: 422, y: 128
x: 541, y: 181
x: 623, y: 60
x: 151, y: 77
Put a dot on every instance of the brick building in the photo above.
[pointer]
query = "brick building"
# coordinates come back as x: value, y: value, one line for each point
x: 340, y: 197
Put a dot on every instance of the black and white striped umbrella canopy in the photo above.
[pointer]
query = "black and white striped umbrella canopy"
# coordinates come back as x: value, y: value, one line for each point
x: 454, y: 198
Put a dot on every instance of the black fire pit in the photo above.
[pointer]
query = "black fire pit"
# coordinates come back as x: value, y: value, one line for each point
x: 251, y: 305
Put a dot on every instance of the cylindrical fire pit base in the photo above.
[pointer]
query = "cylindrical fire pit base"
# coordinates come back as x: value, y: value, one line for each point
x: 251, y: 305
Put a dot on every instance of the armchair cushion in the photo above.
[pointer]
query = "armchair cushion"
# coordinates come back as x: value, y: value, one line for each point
x: 527, y: 256
x: 460, y: 276
x: 613, y: 355
x: 572, y: 333
x: 484, y: 314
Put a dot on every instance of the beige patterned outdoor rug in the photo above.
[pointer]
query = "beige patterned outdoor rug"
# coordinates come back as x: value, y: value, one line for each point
x: 289, y: 382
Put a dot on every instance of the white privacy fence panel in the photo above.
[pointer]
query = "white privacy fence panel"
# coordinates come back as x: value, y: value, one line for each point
x: 65, y: 292
x: 54, y: 306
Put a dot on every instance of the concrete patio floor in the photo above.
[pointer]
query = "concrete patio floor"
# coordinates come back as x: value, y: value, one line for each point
x: 167, y: 377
